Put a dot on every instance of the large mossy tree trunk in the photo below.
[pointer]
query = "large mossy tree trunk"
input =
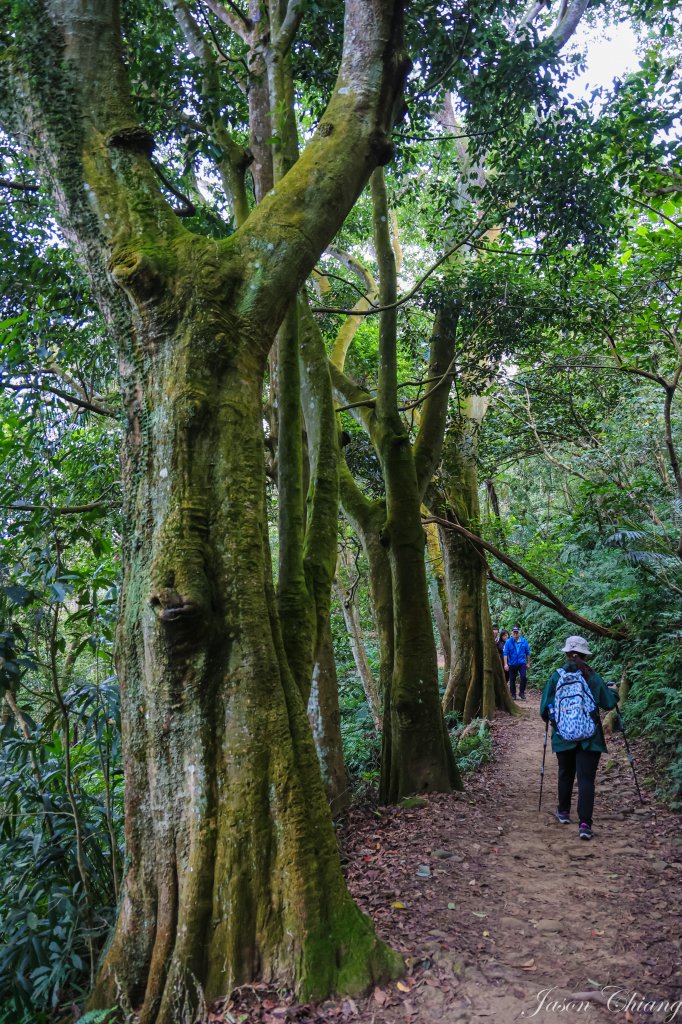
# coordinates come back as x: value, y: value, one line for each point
x: 233, y: 870
x: 476, y: 683
x: 417, y: 754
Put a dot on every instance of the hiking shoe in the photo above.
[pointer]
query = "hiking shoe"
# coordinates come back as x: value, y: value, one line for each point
x: 522, y: 697
x: 562, y: 817
x: 585, y: 830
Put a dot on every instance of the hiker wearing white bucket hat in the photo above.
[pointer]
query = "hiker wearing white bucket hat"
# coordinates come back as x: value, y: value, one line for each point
x: 570, y: 701
x: 578, y: 645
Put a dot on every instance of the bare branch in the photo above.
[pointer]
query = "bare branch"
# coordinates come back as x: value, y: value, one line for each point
x: 412, y: 292
x: 354, y: 265
x: 566, y: 25
x: 20, y: 186
x: 191, y: 31
x: 545, y: 451
x: 652, y: 209
x: 82, y: 403
x: 556, y: 603
x: 60, y: 510
x: 63, y: 510
x: 518, y: 590
x: 531, y: 14
x: 346, y: 389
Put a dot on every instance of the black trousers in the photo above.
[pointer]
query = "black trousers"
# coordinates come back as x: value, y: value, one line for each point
x: 583, y: 764
x: 514, y: 671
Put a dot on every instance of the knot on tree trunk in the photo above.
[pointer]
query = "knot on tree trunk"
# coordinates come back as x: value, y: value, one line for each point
x: 132, y: 137
x: 381, y: 146
x: 171, y: 606
x: 134, y: 272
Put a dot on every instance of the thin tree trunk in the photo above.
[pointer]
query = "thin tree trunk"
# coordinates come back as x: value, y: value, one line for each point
x: 367, y: 519
x: 324, y: 716
x: 416, y: 751
x: 439, y: 599
x: 351, y: 618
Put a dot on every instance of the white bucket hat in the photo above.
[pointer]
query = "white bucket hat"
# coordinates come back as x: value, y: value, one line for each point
x: 578, y: 644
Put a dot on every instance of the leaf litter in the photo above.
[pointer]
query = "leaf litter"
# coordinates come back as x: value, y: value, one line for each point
x: 454, y: 972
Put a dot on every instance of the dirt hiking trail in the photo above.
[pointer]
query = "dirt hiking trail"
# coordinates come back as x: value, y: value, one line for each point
x: 502, y: 913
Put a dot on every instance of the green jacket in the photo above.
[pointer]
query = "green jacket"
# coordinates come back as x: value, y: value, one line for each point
x: 603, y: 697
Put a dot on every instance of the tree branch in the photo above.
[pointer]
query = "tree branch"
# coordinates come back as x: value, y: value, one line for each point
x: 652, y: 209
x: 298, y: 219
x: 359, y: 401
x: 59, y: 510
x: 20, y: 186
x: 289, y: 28
x: 556, y: 603
x: 387, y: 384
x: 408, y: 295
x: 518, y: 590
x: 82, y: 403
x: 231, y: 16
x: 566, y: 25
x: 232, y: 167
x: 429, y: 440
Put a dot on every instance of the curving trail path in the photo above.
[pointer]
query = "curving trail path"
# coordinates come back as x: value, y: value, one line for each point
x: 513, y: 904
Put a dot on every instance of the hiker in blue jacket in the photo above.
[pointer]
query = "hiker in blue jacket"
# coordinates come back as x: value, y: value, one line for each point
x: 517, y: 661
x: 578, y: 757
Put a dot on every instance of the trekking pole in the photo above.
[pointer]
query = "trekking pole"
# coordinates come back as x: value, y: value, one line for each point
x: 542, y: 767
x: 631, y: 756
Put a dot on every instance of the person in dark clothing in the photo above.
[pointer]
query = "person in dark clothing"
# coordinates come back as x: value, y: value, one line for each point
x: 578, y: 759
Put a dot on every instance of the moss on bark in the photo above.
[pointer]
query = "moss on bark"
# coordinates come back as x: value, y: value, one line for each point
x: 325, y: 721
x: 233, y: 870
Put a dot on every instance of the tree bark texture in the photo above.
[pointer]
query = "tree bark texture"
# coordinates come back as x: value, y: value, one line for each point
x: 233, y: 871
x: 417, y: 754
x: 324, y: 715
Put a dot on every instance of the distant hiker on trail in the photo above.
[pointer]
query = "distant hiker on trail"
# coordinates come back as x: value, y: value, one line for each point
x: 499, y: 643
x: 517, y: 661
x: 571, y: 701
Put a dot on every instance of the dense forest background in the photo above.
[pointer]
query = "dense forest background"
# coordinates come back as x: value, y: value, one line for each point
x: 504, y: 297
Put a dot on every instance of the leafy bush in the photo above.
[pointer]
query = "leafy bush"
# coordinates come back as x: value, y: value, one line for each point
x: 60, y: 852
x: 361, y: 743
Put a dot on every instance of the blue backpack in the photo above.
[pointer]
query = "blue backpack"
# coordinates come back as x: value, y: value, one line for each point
x: 574, y: 707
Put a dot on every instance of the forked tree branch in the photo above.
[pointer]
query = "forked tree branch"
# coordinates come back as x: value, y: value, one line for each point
x: 231, y: 16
